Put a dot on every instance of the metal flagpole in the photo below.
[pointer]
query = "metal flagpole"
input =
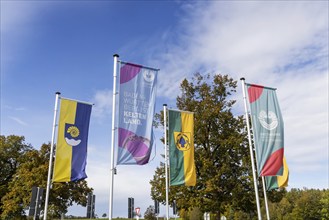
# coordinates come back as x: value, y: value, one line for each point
x: 166, y: 158
x: 51, y: 156
x: 115, y: 63
x: 265, y: 198
x: 265, y: 195
x: 264, y: 191
x: 250, y: 148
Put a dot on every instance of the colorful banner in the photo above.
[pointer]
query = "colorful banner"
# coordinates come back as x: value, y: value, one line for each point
x: 181, y: 148
x: 71, y: 148
x: 275, y: 182
x: 136, y: 109
x: 267, y: 127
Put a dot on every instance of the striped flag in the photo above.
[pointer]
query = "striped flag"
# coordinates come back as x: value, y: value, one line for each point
x: 275, y: 182
x: 267, y: 126
x: 71, y: 148
x: 181, y: 148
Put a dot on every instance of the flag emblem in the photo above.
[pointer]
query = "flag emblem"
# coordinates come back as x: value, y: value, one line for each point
x: 182, y: 140
x: 268, y: 121
x: 148, y: 76
x: 72, y: 133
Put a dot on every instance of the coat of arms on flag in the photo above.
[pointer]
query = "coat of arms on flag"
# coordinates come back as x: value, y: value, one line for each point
x: 182, y: 140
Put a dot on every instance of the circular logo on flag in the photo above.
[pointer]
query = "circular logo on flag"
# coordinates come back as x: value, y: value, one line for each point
x: 268, y: 121
x: 148, y: 76
x: 72, y: 135
x: 182, y: 141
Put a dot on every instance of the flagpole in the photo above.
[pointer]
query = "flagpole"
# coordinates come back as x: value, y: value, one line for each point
x: 264, y: 190
x: 250, y: 149
x: 51, y: 157
x: 265, y: 198
x: 115, y: 63
x: 166, y: 158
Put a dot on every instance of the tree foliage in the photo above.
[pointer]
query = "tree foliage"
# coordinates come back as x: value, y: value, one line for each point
x: 311, y: 204
x: 33, y: 172
x: 13, y: 152
x: 224, y: 177
x: 150, y: 213
x: 221, y: 151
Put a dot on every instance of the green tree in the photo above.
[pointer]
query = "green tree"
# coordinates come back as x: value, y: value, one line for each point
x: 284, y: 208
x: 195, y: 214
x: 13, y: 152
x: 308, y: 206
x: 33, y: 172
x: 280, y: 210
x: 221, y: 151
x: 275, y: 195
x: 325, y: 205
x: 150, y: 213
x: 305, y: 204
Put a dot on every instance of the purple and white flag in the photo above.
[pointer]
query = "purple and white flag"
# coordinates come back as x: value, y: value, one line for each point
x: 136, y: 109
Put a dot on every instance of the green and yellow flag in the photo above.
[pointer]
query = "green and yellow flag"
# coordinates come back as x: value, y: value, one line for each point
x: 181, y: 148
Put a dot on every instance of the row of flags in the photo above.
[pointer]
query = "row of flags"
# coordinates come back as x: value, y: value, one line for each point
x: 137, y: 92
x: 135, y: 138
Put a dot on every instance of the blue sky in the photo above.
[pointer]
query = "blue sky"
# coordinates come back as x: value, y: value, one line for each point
x: 68, y: 46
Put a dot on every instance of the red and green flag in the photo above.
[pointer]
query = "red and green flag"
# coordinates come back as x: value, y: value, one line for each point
x: 267, y: 127
x: 181, y: 148
x: 275, y: 182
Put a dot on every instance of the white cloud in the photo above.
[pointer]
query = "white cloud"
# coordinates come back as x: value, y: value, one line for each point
x: 305, y: 111
x: 14, y: 108
x: 250, y: 38
x: 277, y: 44
x: 15, y: 14
x: 103, y: 103
x: 19, y: 121
x: 130, y: 181
x: 16, y: 29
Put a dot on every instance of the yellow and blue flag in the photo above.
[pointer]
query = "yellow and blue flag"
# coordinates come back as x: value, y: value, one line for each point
x: 71, y: 148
